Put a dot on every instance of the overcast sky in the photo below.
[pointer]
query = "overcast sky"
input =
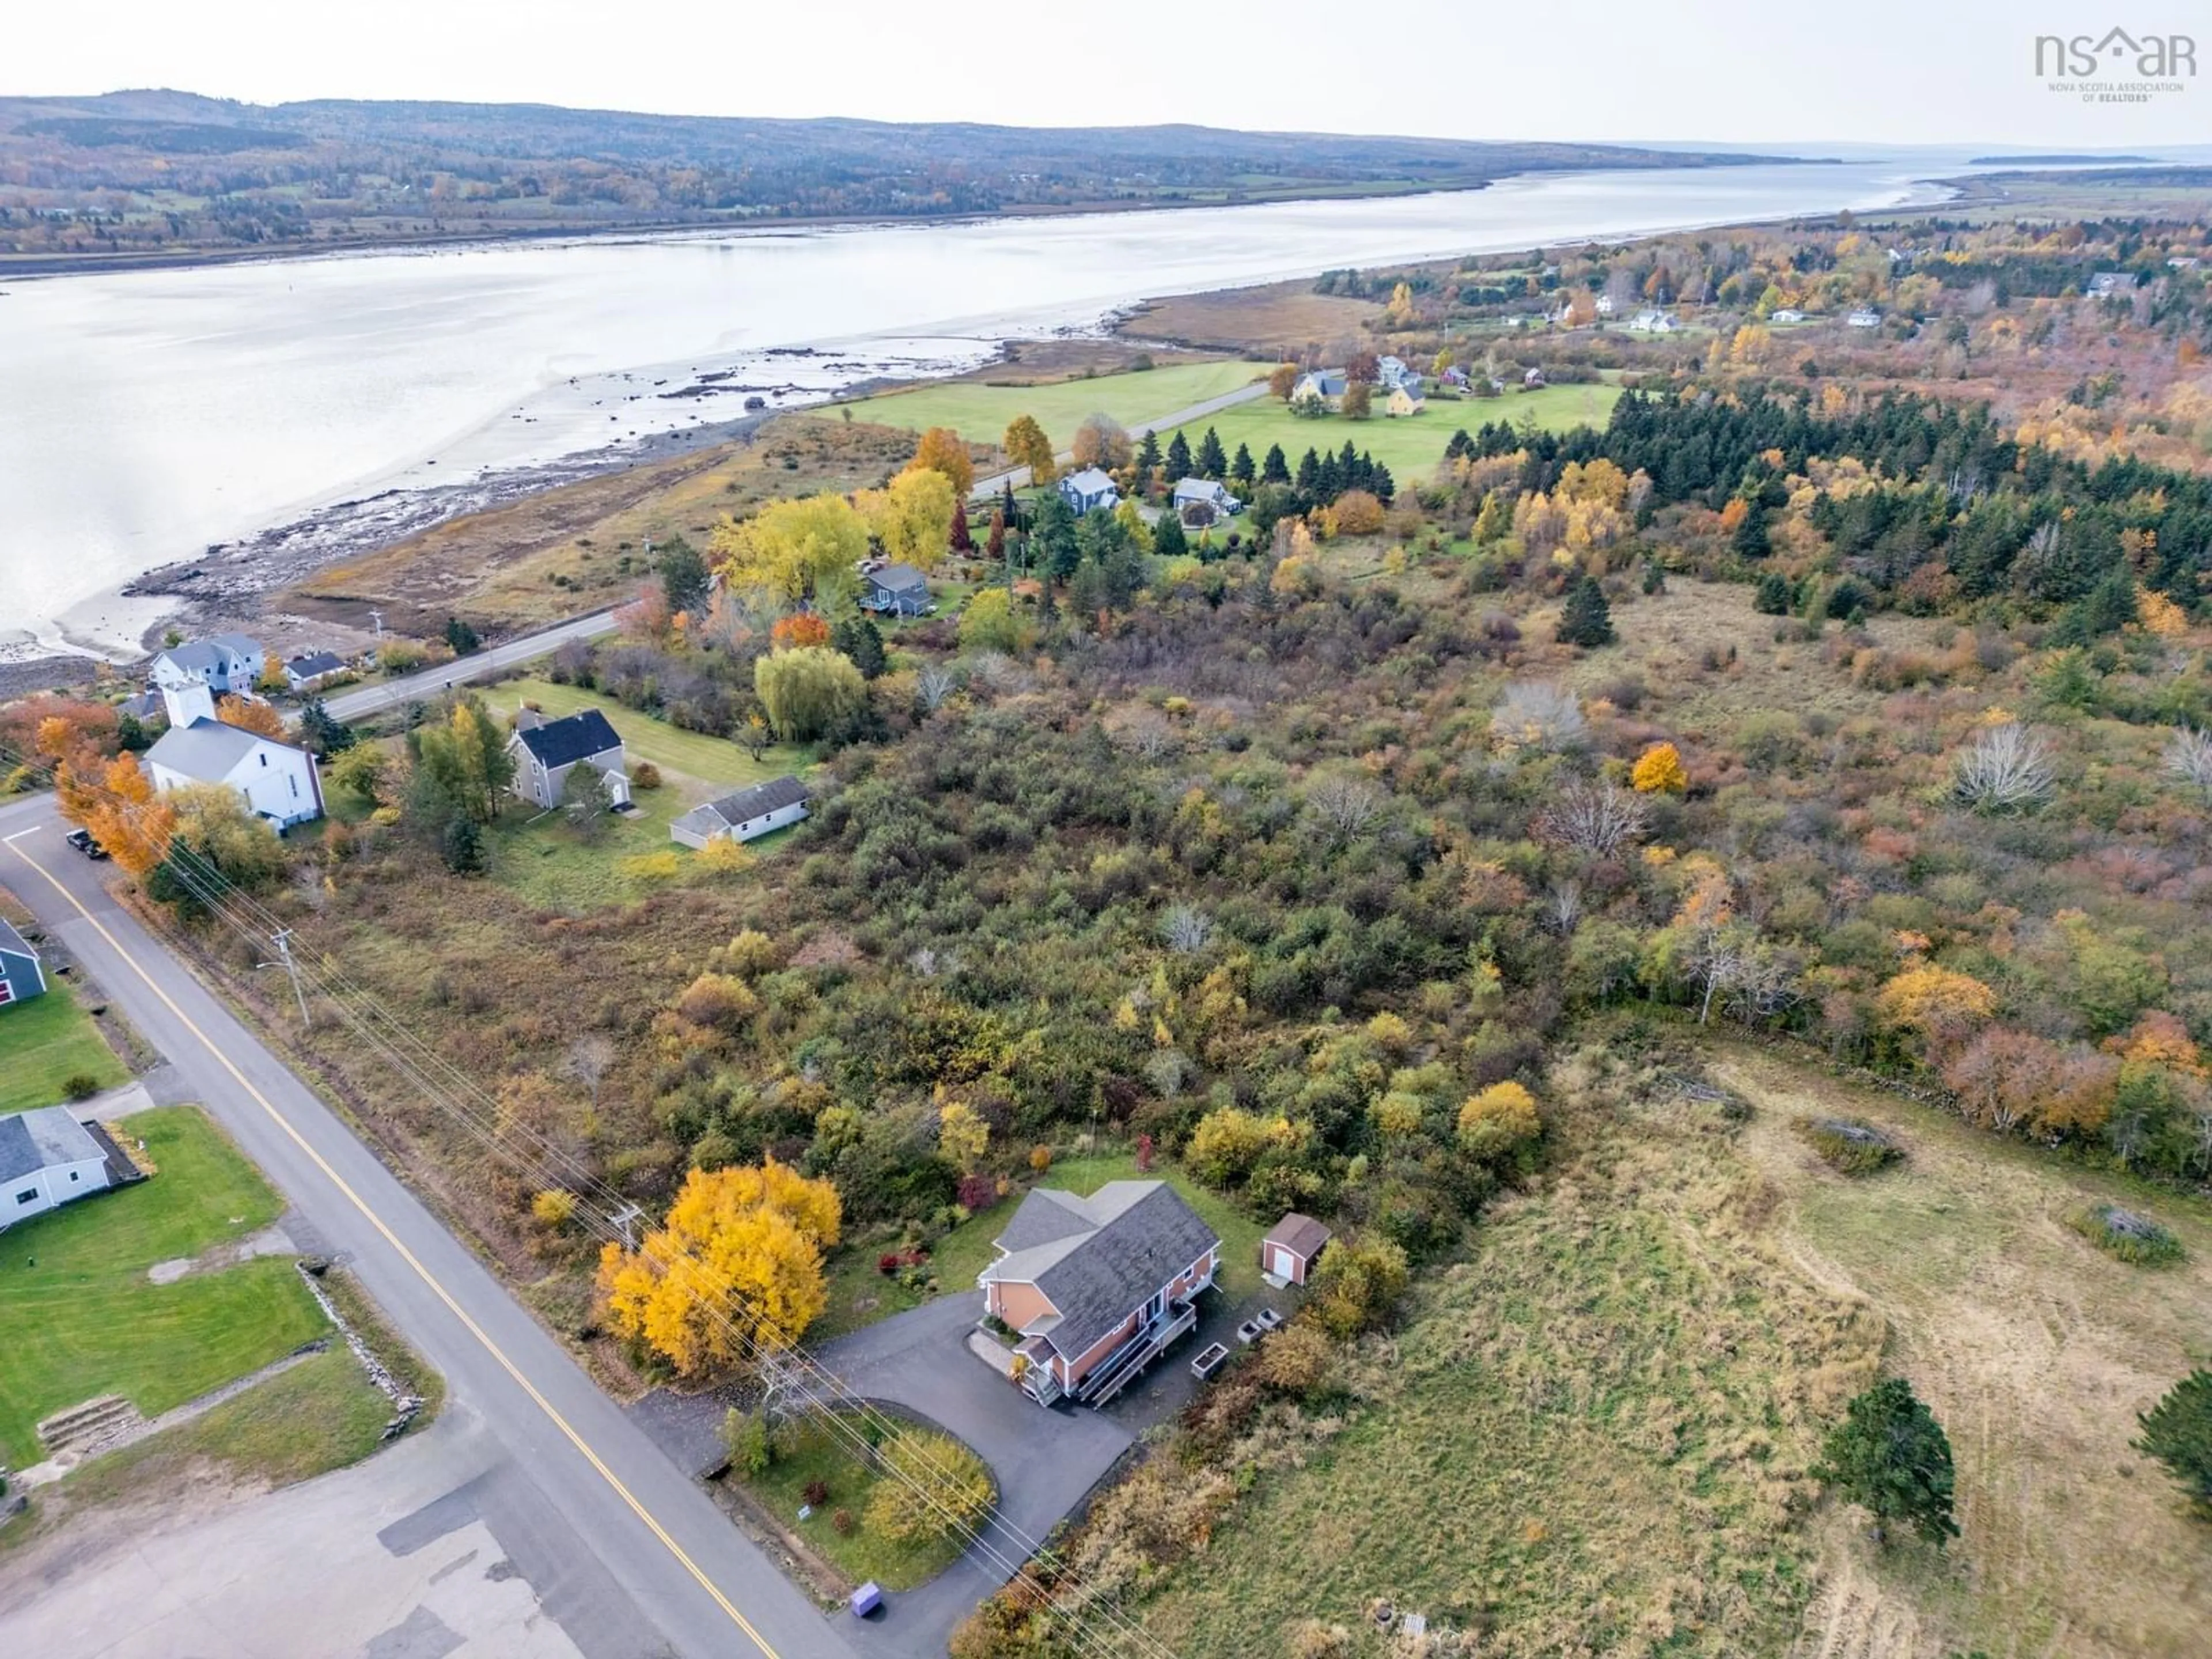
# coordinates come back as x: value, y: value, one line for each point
x: 1742, y: 71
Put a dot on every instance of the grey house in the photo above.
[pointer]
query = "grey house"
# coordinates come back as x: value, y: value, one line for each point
x: 22, y: 975
x: 546, y: 751
x: 226, y: 664
x: 1190, y: 491
x: 743, y: 816
x: 896, y: 590
x: 47, y: 1159
x: 1087, y: 489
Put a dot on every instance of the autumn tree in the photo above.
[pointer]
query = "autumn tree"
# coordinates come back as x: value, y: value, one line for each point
x: 800, y: 628
x: 1026, y: 445
x: 942, y: 451
x: 1358, y: 404
x: 963, y: 1136
x: 1889, y: 1455
x: 1282, y: 380
x: 932, y: 1486
x: 1659, y: 771
x: 1102, y: 442
x: 1357, y: 513
x: 251, y: 714
x: 735, y: 1268
x: 1596, y: 818
x: 463, y: 764
x: 2006, y: 769
x: 115, y: 800
x: 214, y: 820
x: 808, y: 691
x: 1499, y: 1124
x: 911, y: 518
x: 808, y: 548
x: 1942, y: 1006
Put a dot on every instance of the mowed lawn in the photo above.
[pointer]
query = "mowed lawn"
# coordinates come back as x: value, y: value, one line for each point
x: 544, y: 861
x: 46, y: 1042
x: 81, y: 1318
x: 981, y: 413
x: 1412, y: 446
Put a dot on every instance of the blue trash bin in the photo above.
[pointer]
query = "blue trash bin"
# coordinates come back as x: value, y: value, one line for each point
x: 866, y: 1599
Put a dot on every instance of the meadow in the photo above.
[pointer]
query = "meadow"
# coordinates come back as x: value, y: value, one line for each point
x: 981, y: 412
x: 44, y: 1043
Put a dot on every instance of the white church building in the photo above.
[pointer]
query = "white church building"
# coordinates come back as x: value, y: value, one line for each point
x: 278, y: 780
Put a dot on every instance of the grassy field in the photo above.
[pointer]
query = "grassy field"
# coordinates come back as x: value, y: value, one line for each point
x: 76, y: 1277
x: 1411, y: 448
x: 542, y: 860
x: 1593, y: 1435
x: 858, y: 1295
x: 46, y: 1042
x: 981, y: 413
x: 805, y: 1453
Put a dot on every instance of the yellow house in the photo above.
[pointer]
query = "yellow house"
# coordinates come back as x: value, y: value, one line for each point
x: 1405, y: 399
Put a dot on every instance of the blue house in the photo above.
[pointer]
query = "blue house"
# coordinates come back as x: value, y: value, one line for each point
x: 896, y: 590
x: 1087, y: 489
x: 22, y: 975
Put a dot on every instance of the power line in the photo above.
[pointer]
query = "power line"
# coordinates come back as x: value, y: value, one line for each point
x: 831, y: 1399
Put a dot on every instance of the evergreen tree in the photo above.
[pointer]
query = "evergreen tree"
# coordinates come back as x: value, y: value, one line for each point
x: 1054, y: 536
x: 1655, y: 575
x: 1241, y: 470
x: 1460, y: 445
x: 1213, y: 461
x: 462, y: 843
x: 1178, y: 460
x: 1275, y: 469
x: 862, y: 643
x: 960, y: 540
x: 1329, y: 479
x: 462, y: 637
x: 2178, y: 1432
x: 1891, y: 1455
x: 1750, y: 541
x: 1167, y: 539
x: 1010, y: 509
x: 130, y: 733
x: 684, y: 575
x: 1773, y: 596
x: 324, y: 733
x: 1586, y: 620
x: 1148, y: 455
x: 1308, y: 479
x: 1381, y: 482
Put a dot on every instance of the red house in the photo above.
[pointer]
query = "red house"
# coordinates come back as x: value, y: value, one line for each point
x: 1098, y: 1287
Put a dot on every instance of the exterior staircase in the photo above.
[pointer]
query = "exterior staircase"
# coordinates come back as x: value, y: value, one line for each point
x: 1123, y: 1366
x: 85, y: 1430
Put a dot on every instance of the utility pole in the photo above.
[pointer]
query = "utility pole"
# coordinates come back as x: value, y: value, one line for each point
x: 282, y: 940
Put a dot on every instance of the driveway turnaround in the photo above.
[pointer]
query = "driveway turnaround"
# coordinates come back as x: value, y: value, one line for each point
x: 630, y: 1520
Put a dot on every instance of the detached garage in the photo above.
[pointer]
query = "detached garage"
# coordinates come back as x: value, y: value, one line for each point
x: 1287, y: 1253
x: 741, y: 817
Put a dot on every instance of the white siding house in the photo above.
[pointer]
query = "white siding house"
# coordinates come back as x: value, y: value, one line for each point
x: 226, y: 664
x: 47, y: 1159
x: 743, y: 816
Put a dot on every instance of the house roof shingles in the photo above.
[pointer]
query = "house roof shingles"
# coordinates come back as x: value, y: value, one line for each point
x: 1098, y: 1259
x: 13, y: 942
x: 745, y: 804
x: 564, y: 742
x: 43, y: 1139
x: 1088, y: 482
x: 318, y: 663
x: 1300, y: 1234
x: 900, y: 578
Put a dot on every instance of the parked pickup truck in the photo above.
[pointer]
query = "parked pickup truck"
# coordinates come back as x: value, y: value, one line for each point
x: 82, y: 840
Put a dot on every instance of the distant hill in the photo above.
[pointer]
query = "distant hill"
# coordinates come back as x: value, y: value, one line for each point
x: 2055, y: 161
x: 156, y: 173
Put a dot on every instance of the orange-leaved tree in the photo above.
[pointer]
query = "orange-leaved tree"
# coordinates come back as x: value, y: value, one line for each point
x: 736, y: 1269
x: 942, y: 451
x: 118, y: 803
x: 800, y: 628
x: 251, y: 714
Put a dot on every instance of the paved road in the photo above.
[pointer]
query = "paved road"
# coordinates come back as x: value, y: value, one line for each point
x: 618, y: 1512
x: 1019, y: 476
x: 387, y: 694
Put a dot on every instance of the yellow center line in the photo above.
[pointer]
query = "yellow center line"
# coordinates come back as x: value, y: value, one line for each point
x: 409, y: 1256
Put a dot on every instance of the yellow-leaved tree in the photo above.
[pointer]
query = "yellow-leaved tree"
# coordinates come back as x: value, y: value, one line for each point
x: 1026, y: 445
x: 804, y: 549
x: 912, y: 517
x: 1499, y: 1123
x: 1659, y: 771
x: 736, y: 1267
x: 116, y: 801
x: 1942, y: 1006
